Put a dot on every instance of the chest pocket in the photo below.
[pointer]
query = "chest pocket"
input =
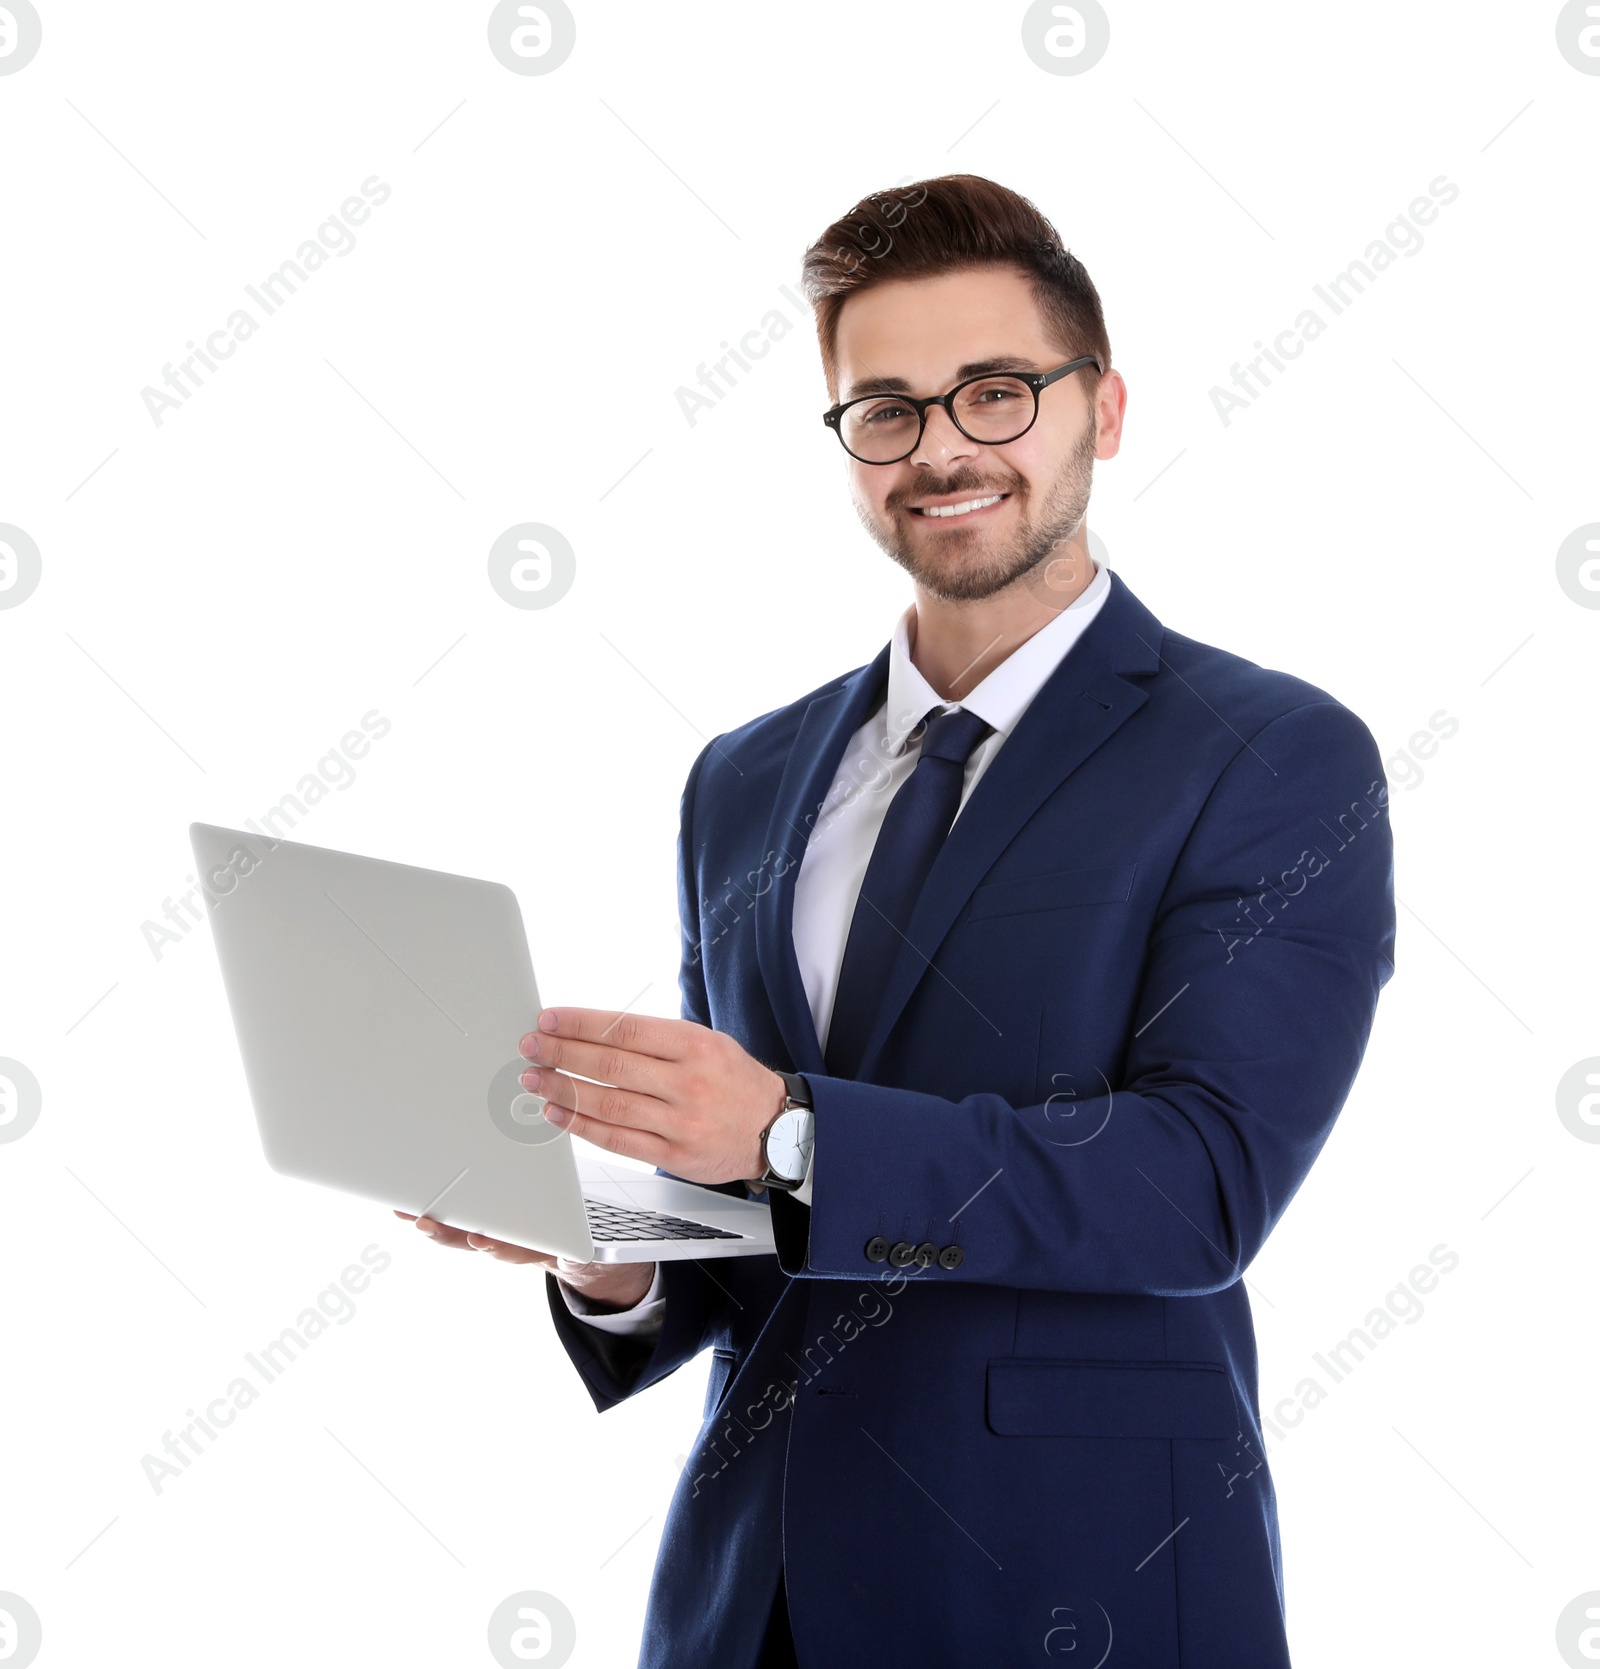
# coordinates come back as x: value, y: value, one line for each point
x: 1061, y: 889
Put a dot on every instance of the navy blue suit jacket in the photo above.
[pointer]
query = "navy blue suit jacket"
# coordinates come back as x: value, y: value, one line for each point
x: 1134, y: 995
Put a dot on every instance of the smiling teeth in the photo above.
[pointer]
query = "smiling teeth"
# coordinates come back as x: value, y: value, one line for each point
x: 960, y: 509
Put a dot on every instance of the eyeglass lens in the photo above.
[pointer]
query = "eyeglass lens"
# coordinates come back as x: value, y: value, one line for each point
x: 993, y: 410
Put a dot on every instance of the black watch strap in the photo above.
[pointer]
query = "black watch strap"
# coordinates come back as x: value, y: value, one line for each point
x: 798, y: 1090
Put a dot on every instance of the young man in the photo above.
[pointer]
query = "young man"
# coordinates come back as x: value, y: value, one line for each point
x: 1028, y: 966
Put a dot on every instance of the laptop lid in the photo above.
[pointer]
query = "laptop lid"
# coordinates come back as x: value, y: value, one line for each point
x: 378, y: 1009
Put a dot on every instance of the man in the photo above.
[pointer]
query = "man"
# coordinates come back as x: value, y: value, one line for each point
x: 1055, y: 938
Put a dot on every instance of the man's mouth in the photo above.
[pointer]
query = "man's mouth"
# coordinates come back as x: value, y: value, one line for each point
x: 965, y: 507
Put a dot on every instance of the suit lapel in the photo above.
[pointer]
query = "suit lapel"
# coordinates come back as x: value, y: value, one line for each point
x: 825, y: 731
x: 1080, y: 706
x: 1083, y: 703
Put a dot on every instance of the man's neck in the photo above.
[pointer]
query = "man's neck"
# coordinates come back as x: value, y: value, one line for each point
x: 956, y: 645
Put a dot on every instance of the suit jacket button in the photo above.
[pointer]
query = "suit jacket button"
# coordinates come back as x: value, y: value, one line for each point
x: 902, y: 1253
x: 877, y: 1249
x: 927, y: 1253
x: 952, y: 1257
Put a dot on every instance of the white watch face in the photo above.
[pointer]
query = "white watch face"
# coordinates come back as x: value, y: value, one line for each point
x: 789, y: 1144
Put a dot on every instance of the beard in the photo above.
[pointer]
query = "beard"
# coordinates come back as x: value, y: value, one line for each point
x: 957, y: 566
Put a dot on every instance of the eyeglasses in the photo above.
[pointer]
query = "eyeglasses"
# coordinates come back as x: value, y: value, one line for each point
x: 992, y: 410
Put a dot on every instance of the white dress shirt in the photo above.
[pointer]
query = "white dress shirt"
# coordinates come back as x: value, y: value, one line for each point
x: 879, y: 758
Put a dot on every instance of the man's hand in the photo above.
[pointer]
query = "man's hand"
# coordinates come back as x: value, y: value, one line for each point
x: 614, y: 1285
x: 669, y: 1092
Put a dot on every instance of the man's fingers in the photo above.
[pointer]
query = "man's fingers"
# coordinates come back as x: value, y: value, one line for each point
x: 604, y: 1063
x: 466, y: 1240
x: 602, y: 1029
x: 625, y: 1139
x: 504, y: 1252
x: 600, y: 1102
x: 444, y: 1233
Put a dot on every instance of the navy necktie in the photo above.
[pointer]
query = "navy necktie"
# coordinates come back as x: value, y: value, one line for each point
x: 914, y: 830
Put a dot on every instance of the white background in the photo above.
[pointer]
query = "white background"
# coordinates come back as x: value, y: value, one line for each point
x: 225, y: 594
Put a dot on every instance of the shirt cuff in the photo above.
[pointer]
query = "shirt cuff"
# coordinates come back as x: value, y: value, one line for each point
x: 643, y: 1320
x: 803, y: 1192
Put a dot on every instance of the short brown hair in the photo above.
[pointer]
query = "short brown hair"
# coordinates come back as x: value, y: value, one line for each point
x: 951, y: 224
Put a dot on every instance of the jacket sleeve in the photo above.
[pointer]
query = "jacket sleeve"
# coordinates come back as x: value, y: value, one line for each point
x: 617, y: 1365
x: 1259, y: 985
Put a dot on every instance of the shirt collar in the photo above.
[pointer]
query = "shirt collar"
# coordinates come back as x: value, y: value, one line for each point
x: 1000, y: 699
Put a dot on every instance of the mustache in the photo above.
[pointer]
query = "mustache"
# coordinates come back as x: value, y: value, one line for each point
x: 956, y: 484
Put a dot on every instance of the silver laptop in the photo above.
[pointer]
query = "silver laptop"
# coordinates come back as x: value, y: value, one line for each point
x: 378, y: 1010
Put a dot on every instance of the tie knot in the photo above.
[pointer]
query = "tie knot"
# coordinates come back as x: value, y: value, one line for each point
x: 953, y: 735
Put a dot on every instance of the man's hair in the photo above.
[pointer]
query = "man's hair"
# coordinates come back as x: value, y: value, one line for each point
x: 952, y: 224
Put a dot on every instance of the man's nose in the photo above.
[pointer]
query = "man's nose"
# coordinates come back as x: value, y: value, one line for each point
x: 941, y: 438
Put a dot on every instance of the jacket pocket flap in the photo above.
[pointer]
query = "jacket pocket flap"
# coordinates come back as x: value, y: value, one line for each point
x: 1111, y: 884
x: 1031, y: 1397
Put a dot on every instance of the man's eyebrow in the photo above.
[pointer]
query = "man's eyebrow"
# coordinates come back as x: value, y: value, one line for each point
x: 973, y: 368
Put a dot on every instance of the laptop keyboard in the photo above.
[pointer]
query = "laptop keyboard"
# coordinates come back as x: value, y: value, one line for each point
x: 620, y: 1222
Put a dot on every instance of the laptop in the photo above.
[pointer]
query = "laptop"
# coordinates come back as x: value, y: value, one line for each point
x: 378, y: 1009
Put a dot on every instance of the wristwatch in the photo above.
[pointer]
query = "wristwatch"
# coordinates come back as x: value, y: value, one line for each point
x: 786, y: 1142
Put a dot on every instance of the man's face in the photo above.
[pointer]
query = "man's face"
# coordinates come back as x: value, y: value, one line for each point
x: 925, y: 331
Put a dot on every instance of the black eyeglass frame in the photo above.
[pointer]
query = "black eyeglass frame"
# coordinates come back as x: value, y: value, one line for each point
x: 1038, y: 381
